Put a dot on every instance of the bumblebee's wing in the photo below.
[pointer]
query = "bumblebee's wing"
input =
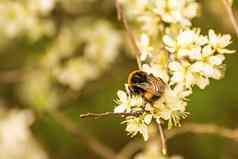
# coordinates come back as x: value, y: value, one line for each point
x: 157, y: 83
x: 147, y: 87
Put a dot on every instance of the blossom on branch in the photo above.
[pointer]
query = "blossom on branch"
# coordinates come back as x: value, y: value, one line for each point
x: 174, y: 51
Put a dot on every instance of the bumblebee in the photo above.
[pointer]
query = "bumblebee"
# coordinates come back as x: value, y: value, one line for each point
x: 151, y: 88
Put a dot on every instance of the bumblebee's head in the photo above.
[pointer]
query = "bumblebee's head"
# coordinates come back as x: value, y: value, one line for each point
x: 137, y: 77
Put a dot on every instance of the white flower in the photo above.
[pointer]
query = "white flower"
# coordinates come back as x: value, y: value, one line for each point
x: 173, y: 11
x: 145, y: 48
x: 211, y: 65
x: 172, y: 105
x: 181, y: 73
x: 186, y: 37
x: 173, y: 100
x: 148, y: 118
x: 191, y: 10
x: 170, y: 43
x: 126, y: 103
x: 17, y: 141
x: 42, y: 6
x: 208, y: 70
x: 157, y: 71
x: 195, y: 74
x: 149, y: 23
x: 135, y: 7
x: 219, y: 42
x: 187, y: 44
x: 135, y: 125
x: 123, y: 100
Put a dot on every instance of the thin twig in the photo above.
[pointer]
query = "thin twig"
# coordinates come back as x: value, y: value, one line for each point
x: 162, y: 139
x: 106, y: 114
x: 231, y: 15
x: 204, y: 129
x: 121, y: 17
x: 96, y: 146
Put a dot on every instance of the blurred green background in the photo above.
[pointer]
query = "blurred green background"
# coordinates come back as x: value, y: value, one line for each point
x: 24, y: 54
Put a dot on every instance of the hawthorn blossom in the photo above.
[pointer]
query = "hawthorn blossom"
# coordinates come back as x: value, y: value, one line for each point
x: 210, y: 66
x: 137, y: 125
x: 178, y: 54
x: 145, y: 47
x: 188, y: 43
x: 184, y: 73
x: 126, y: 103
x: 173, y: 11
x: 172, y: 106
x: 156, y: 70
x: 197, y: 57
x: 219, y: 42
x: 17, y: 140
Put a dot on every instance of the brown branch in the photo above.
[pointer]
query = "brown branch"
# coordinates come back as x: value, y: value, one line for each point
x: 204, y: 129
x: 121, y: 17
x: 96, y: 146
x: 11, y: 76
x: 231, y: 15
x: 194, y: 128
x: 106, y: 114
x: 131, y: 148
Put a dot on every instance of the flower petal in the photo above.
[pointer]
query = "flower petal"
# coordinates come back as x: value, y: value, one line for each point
x: 225, y: 40
x: 207, y: 51
x: 136, y: 101
x: 216, y: 60
x: 169, y: 41
x: 195, y: 53
x: 175, y: 66
x: 144, y: 132
x: 225, y: 51
x: 120, y: 109
x: 213, y: 39
x: 122, y: 95
x: 148, y: 119
x: 144, y: 40
x: 202, y: 82
x: 186, y: 37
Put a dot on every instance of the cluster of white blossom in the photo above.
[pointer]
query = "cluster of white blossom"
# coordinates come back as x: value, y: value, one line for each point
x: 16, y: 140
x: 152, y: 15
x: 35, y: 19
x: 37, y: 90
x: 100, y: 46
x: 196, y: 58
x: 177, y: 53
x: 76, y: 51
x: 23, y: 17
x: 81, y: 52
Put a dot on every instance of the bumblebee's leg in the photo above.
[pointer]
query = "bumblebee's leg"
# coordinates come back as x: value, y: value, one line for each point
x: 149, y: 97
x: 132, y: 90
